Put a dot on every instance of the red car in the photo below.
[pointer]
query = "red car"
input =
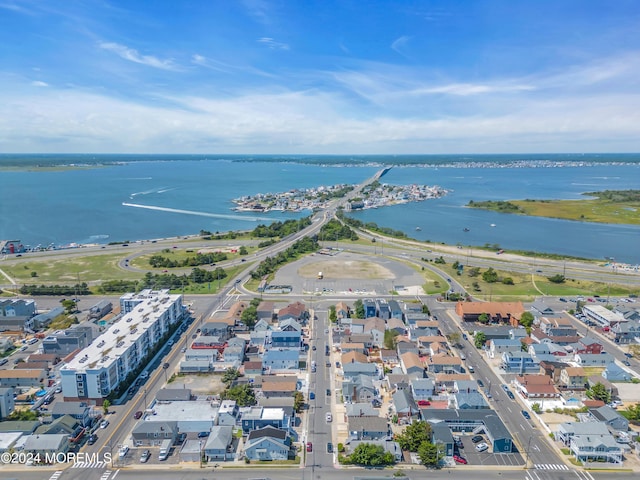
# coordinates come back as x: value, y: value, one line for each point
x: 459, y: 459
x: 309, y: 447
x: 424, y: 403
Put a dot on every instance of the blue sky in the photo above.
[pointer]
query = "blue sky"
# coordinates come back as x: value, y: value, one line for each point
x: 325, y: 76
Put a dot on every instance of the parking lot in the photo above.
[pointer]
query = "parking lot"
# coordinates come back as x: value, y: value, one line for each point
x: 487, y: 457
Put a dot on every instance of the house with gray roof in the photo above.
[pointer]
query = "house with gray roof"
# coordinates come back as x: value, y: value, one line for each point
x: 367, y: 428
x: 66, y: 425
x: 268, y: 443
x: 353, y: 369
x: 614, y: 373
x: 520, y: 362
x: 358, y: 388
x: 610, y: 418
x: 7, y: 404
x: 468, y: 401
x: 281, y: 361
x: 173, y: 395
x: 441, y: 434
x: 44, y: 445
x: 78, y: 410
x: 568, y: 430
x: 626, y: 332
x: 219, y: 444
x: 150, y: 433
x: 592, y: 448
x: 593, y: 359
x: 404, y: 405
x: 498, y: 346
x: 360, y: 409
x: 422, y: 388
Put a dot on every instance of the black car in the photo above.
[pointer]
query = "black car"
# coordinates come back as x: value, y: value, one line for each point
x: 480, y: 383
x: 328, y: 392
x: 526, y: 415
x: 627, y: 363
x: 510, y: 395
x: 329, y: 447
x: 93, y: 438
x: 477, y: 439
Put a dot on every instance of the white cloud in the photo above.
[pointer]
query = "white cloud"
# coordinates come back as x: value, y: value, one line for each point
x: 134, y: 56
x: 38, y: 83
x: 272, y: 44
x: 399, y: 43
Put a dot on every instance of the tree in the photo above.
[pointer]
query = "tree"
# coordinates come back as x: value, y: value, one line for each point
x: 526, y: 320
x: 415, y: 434
x: 69, y: 306
x: 425, y: 309
x: 483, y: 318
x: 105, y: 406
x: 358, y: 309
x: 599, y: 392
x: 249, y: 316
x: 633, y: 412
x: 371, y: 455
x: 479, y: 339
x: 490, y: 276
x: 242, y: 394
x: 556, y: 278
x: 429, y: 453
x: 390, y: 339
x: 230, y: 375
x: 298, y: 401
x: 333, y: 316
x: 507, y: 281
x: 243, y: 251
x: 454, y: 338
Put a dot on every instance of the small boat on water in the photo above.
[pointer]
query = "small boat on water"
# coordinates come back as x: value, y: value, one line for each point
x: 418, y: 229
x: 465, y: 229
x: 492, y: 225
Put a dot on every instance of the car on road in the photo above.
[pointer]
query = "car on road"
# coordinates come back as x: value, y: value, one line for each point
x: 166, y: 365
x: 511, y: 395
x: 504, y: 387
x: 627, y: 363
x: 480, y: 383
x: 137, y: 415
x: 313, y: 348
x: 481, y: 447
x: 312, y: 396
x: 329, y: 447
x: 203, y: 434
x: 93, y: 438
x: 459, y: 459
x: 628, y: 355
x: 526, y: 415
x: 477, y: 438
x: 329, y: 417
x: 144, y: 458
x: 328, y: 392
x: 309, y: 447
x: 563, y: 299
x: 488, y: 393
x: 104, y: 424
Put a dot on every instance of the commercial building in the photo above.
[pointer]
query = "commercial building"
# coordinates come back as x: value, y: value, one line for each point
x: 98, y: 369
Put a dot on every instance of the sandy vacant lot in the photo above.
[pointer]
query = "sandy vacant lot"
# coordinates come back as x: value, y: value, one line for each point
x: 339, y: 269
x: 202, y: 384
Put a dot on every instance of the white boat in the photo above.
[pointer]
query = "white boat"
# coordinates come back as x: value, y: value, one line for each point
x: 418, y: 229
x: 492, y: 225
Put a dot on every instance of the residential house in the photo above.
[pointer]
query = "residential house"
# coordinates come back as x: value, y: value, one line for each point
x: 519, y: 362
x: 395, y: 310
x: 427, y: 328
x: 261, y: 326
x: 7, y: 404
x: 79, y: 411
x: 266, y: 311
x: 252, y: 368
x: 375, y: 326
x: 444, y: 364
x: 219, y: 444
x: 353, y: 356
x: 593, y: 359
x: 355, y: 325
x: 358, y: 388
x: 568, y: 430
x: 609, y: 387
x: 535, y: 386
x: 498, y: 346
x: 422, y: 389
x: 151, y: 433
x: 216, y: 329
x: 296, y: 311
x: 468, y: 400
x: 342, y: 311
x: 370, y: 309
x: 467, y: 386
x: 288, y: 339
x: 367, y: 428
x: 23, y: 378
x: 257, y: 417
x: 281, y: 361
x: 404, y: 345
x: 234, y: 351
x: 412, y: 365
x: 615, y: 373
x: 626, y: 332
x: 590, y: 441
x: 347, y: 347
x: 289, y: 325
x: 413, y: 318
x: 589, y: 345
x: 573, y: 378
x: 360, y: 409
x: 228, y: 413
x: 539, y: 308
x: 383, y: 310
x: 279, y: 386
x: 553, y: 369
x: 405, y: 405
x: 610, y: 418
x: 441, y: 435
x: 174, y: 395
x: 66, y: 425
x: 46, y: 445
x: 387, y: 445
x: 268, y: 443
x: 388, y: 357
x: 357, y: 368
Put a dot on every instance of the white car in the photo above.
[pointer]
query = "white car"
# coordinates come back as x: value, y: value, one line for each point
x: 123, y: 451
x: 329, y: 417
x: 104, y: 424
x: 481, y: 447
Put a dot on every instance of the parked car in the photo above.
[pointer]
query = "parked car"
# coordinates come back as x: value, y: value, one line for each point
x: 203, y: 434
x: 628, y: 355
x: 480, y: 383
x: 459, y: 459
x: 309, y: 447
x: 329, y: 447
x: 145, y: 456
x: 328, y: 392
x: 481, y: 447
x: 510, y: 395
x: 477, y: 438
x: 137, y: 415
x: 93, y: 438
x: 329, y: 417
x: 526, y: 415
x: 313, y: 348
x: 123, y: 451
x: 627, y: 363
x: 104, y: 424
x: 312, y: 396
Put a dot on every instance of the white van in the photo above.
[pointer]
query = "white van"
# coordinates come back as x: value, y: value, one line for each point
x: 329, y: 417
x: 471, y: 370
x: 165, y: 447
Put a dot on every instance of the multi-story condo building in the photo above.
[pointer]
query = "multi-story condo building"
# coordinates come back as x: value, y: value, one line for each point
x: 99, y: 368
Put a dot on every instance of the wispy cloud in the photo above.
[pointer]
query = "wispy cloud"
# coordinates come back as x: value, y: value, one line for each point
x: 133, y: 55
x: 399, y: 43
x: 14, y: 8
x: 223, y: 67
x: 466, y: 89
x: 272, y: 44
x: 260, y: 10
x: 38, y: 83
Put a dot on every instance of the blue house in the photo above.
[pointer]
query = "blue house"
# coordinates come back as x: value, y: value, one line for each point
x: 260, y: 417
x: 268, y: 444
x: 288, y: 339
x: 614, y: 373
x: 395, y: 310
x: 281, y: 361
x: 519, y: 362
x: 369, y: 308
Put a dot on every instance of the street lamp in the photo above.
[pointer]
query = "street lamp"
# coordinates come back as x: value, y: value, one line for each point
x: 200, y: 451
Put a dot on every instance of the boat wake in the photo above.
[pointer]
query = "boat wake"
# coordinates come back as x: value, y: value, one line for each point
x: 201, y: 214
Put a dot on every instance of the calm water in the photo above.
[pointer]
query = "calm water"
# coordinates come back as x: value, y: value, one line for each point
x: 182, y: 195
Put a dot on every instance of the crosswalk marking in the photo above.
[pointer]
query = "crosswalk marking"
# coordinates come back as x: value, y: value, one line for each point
x: 55, y: 475
x: 106, y: 475
x: 551, y: 466
x: 89, y: 465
